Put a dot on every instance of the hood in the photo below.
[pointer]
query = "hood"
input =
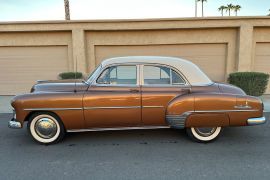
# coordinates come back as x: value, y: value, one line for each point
x: 59, y: 86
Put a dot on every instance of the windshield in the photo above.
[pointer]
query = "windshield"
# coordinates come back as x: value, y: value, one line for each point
x: 93, y: 74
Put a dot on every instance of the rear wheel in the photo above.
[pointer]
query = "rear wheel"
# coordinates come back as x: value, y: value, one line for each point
x: 46, y: 128
x: 203, y: 134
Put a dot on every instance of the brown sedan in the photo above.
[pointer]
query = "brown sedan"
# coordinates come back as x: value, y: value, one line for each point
x: 140, y: 92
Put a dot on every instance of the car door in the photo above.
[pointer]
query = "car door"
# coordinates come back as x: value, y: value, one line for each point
x: 114, y: 99
x: 160, y: 84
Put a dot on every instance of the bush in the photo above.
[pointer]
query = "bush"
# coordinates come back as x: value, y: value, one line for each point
x: 71, y: 75
x: 253, y: 83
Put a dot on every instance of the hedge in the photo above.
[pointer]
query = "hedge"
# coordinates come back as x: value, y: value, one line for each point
x: 71, y: 75
x: 253, y: 83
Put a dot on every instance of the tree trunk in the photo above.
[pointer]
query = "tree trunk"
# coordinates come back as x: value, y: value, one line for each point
x: 67, y: 13
x: 202, y: 8
x: 196, y: 8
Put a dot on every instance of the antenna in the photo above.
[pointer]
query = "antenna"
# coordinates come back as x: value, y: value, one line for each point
x: 75, y: 90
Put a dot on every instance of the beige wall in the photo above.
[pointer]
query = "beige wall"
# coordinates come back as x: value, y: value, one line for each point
x: 218, y: 45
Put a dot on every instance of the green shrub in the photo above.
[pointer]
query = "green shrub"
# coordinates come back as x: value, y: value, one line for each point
x: 253, y: 83
x: 71, y: 75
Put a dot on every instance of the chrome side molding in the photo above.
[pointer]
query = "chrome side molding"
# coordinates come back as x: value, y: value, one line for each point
x: 118, y: 128
x: 256, y: 121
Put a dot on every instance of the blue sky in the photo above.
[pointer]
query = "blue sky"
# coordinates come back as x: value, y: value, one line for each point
x: 23, y: 10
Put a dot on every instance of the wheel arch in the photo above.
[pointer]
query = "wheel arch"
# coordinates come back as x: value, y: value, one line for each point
x: 28, y: 116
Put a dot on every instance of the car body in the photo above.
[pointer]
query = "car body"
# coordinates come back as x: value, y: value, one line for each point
x: 136, y: 92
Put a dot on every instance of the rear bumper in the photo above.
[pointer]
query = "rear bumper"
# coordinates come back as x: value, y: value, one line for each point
x: 14, y: 124
x: 256, y: 121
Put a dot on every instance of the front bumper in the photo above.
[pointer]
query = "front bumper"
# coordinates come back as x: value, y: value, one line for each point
x: 14, y: 124
x: 256, y: 121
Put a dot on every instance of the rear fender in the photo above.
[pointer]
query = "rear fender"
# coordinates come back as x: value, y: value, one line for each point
x: 200, y: 110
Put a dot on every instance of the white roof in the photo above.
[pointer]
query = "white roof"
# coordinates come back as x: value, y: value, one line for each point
x: 192, y: 72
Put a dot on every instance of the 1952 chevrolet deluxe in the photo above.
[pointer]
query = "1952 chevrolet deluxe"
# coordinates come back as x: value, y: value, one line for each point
x: 138, y: 92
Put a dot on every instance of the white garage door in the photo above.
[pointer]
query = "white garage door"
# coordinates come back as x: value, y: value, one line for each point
x: 209, y: 57
x: 21, y: 67
x: 262, y: 60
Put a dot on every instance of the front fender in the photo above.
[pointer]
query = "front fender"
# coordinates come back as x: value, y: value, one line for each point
x: 66, y: 105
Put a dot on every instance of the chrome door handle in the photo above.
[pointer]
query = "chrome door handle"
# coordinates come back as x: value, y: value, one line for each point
x: 134, y: 90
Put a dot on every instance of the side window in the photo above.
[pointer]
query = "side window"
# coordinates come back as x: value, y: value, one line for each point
x: 177, y: 79
x: 119, y: 75
x: 156, y: 75
x: 160, y: 75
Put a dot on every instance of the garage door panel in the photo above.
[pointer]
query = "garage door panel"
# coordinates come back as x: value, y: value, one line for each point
x: 209, y: 57
x: 21, y: 67
x: 262, y: 60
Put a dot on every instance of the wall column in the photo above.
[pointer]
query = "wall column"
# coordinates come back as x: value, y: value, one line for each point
x: 79, y: 51
x: 245, y: 48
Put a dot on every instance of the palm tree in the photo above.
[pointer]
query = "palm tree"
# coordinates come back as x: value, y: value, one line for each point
x: 229, y: 8
x: 202, y: 5
x: 222, y: 8
x: 236, y: 8
x: 67, y: 13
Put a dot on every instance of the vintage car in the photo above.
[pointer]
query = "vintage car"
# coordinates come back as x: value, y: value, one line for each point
x: 137, y: 92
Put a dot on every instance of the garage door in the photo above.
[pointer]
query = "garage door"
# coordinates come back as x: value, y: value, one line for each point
x: 21, y: 67
x: 262, y: 60
x: 209, y: 57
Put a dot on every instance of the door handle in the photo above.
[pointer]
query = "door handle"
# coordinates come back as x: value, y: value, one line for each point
x: 134, y: 90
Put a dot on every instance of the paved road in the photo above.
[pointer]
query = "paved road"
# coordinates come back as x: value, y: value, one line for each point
x: 240, y: 153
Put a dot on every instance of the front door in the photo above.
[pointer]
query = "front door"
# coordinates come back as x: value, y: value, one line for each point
x: 114, y: 100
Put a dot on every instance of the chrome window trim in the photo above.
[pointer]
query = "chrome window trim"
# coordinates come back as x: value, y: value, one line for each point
x: 94, y: 82
x: 165, y: 85
x: 140, y: 75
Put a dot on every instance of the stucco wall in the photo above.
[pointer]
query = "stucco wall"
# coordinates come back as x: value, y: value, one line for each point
x: 246, y: 40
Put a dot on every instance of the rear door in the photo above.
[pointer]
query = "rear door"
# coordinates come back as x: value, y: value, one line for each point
x: 160, y: 84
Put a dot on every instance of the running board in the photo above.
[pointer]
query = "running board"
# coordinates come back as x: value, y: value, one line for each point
x: 118, y: 128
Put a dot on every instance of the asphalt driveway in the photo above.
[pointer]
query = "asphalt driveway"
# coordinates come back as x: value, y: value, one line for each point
x: 240, y: 153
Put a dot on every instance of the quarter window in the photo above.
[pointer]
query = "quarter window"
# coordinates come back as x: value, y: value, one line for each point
x: 160, y: 75
x: 119, y: 75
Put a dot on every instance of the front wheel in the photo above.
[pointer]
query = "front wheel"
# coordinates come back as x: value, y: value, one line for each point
x: 203, y: 134
x: 46, y: 128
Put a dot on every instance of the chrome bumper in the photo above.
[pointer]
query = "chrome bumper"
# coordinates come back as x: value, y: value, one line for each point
x: 14, y: 124
x: 256, y: 121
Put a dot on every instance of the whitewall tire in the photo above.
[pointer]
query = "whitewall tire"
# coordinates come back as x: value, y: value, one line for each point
x: 199, y: 134
x: 46, y: 128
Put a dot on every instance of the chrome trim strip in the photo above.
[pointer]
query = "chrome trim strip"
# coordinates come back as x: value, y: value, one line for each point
x: 51, y: 109
x: 243, y: 107
x: 153, y: 106
x: 256, y: 121
x: 112, y: 107
x: 118, y: 128
x: 228, y: 110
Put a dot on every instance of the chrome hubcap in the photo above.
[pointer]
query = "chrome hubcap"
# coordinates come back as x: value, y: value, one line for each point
x: 205, y: 131
x: 46, y: 128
